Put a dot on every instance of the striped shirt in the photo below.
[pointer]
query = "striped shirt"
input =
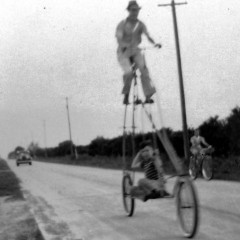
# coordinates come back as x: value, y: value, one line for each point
x: 150, y: 169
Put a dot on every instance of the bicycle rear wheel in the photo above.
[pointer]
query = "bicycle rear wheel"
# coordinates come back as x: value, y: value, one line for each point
x: 187, y: 207
x: 193, y: 172
x: 207, y: 168
x: 128, y: 201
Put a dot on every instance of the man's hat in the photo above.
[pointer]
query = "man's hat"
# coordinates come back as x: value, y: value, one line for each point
x: 133, y: 4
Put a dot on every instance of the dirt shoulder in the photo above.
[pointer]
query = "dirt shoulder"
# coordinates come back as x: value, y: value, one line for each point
x: 17, y: 222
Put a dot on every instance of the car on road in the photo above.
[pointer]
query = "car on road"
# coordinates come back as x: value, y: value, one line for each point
x: 24, y: 157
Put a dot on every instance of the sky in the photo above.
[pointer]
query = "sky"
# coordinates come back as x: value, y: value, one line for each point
x: 53, y: 49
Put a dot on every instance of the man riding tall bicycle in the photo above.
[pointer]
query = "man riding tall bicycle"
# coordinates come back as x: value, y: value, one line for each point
x: 129, y: 35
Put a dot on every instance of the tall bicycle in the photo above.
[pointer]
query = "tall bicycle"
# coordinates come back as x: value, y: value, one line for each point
x: 184, y: 191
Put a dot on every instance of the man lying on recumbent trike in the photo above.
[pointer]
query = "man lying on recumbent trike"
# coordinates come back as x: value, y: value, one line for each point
x: 153, y: 184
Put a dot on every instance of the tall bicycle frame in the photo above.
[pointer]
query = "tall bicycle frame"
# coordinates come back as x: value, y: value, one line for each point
x: 183, y: 189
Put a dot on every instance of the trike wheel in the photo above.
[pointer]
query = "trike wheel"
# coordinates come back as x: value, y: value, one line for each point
x: 207, y: 168
x: 128, y: 201
x: 192, y: 168
x: 187, y: 207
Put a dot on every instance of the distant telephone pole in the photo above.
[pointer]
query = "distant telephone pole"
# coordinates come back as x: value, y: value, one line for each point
x: 179, y: 63
x: 45, y: 137
x: 69, y: 127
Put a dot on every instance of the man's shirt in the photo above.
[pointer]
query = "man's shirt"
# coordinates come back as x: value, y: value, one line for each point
x: 131, y: 35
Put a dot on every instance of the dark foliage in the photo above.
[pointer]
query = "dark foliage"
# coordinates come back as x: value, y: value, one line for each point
x: 233, y: 131
x: 223, y: 135
x: 216, y: 134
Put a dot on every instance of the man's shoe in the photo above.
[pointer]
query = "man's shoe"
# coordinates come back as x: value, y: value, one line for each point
x: 153, y: 195
x: 166, y: 194
x: 138, y: 101
x: 148, y: 101
x: 146, y: 198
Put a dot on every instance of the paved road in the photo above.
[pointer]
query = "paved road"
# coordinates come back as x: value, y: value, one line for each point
x: 72, y: 202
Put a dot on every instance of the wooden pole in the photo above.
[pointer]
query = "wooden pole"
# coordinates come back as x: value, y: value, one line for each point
x: 180, y: 75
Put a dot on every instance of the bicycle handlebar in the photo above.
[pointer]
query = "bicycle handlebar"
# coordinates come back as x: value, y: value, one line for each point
x: 207, y: 150
x: 156, y: 46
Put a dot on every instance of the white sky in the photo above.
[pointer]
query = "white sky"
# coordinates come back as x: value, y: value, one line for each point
x: 51, y: 49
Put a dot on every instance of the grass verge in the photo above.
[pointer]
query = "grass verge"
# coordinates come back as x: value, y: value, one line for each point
x: 16, y: 220
x: 9, y: 183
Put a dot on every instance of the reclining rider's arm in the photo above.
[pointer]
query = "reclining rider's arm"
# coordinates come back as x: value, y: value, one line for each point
x: 136, y: 163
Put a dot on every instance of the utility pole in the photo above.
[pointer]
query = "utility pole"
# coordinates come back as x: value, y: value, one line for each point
x: 45, y: 138
x: 69, y: 127
x: 179, y: 63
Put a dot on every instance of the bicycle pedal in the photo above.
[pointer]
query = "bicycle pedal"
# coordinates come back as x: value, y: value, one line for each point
x: 149, y: 101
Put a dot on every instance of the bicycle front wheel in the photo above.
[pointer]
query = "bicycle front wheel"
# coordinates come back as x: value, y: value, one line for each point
x: 207, y: 168
x: 187, y: 207
x: 128, y: 201
x: 193, y: 172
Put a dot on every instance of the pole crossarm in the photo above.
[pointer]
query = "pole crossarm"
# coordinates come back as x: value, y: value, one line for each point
x: 170, y: 4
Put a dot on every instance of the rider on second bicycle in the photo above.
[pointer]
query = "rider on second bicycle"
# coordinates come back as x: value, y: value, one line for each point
x: 196, y: 141
x: 128, y: 33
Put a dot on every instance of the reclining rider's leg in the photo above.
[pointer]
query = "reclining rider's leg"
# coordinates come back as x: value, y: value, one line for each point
x: 147, y: 84
x: 143, y: 184
x: 137, y: 192
x: 149, y: 185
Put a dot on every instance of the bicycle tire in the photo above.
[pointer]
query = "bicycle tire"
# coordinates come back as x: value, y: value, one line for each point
x: 187, y: 203
x: 207, y: 168
x: 193, y: 172
x: 128, y: 201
